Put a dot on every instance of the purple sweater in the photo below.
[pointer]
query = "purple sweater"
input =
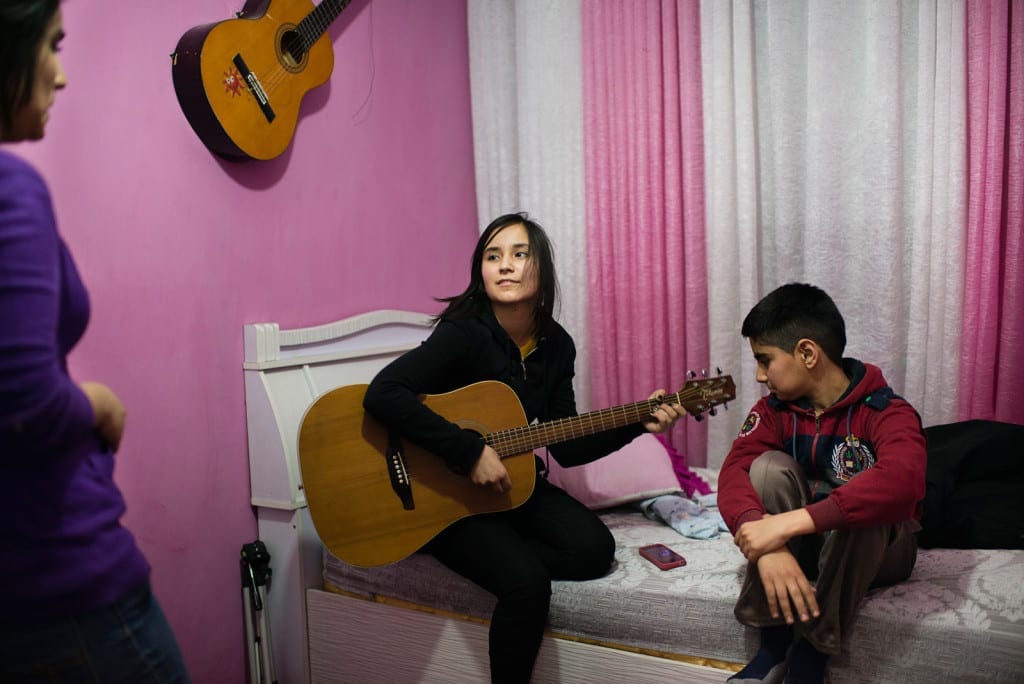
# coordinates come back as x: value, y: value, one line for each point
x: 63, y: 550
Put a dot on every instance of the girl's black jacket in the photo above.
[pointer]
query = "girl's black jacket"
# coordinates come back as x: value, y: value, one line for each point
x: 461, y: 352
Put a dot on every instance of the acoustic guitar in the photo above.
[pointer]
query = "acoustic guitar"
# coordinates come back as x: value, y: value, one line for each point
x: 375, y: 499
x: 240, y: 81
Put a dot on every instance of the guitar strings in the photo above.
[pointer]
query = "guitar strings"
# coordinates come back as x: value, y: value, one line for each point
x: 306, y: 34
x: 526, y: 438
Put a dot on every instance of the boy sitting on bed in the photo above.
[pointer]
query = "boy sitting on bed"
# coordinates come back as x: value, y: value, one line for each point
x: 824, y: 483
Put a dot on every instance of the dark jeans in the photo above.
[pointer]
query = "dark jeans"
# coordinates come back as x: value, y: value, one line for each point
x: 128, y: 642
x: 515, y: 555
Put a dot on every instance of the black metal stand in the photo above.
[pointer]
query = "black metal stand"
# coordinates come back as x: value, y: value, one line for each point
x: 255, y: 566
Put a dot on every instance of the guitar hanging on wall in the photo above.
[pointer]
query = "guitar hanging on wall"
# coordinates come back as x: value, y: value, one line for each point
x: 240, y: 81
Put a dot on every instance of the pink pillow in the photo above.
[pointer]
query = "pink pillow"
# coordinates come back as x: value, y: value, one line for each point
x: 640, y: 470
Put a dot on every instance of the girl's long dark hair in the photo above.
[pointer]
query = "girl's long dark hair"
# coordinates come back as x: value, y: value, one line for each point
x: 474, y: 300
x: 22, y: 25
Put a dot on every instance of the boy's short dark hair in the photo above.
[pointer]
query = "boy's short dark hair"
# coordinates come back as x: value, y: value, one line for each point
x: 795, y: 311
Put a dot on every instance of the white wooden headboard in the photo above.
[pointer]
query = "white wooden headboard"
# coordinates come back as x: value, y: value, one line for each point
x: 285, y: 371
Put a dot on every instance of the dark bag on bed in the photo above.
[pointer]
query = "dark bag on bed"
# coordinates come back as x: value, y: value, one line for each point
x: 975, y: 495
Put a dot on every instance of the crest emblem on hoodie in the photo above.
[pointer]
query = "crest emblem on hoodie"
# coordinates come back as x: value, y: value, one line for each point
x: 750, y: 424
x: 851, y: 457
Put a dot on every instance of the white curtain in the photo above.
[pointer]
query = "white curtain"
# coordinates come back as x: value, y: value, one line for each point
x: 834, y: 138
x: 527, y: 98
x: 834, y: 147
x: 732, y: 219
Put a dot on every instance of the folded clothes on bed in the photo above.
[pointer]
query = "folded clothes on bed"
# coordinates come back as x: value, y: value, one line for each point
x: 685, y: 516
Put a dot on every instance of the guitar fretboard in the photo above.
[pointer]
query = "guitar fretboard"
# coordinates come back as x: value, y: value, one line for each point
x: 697, y: 396
x: 317, y: 21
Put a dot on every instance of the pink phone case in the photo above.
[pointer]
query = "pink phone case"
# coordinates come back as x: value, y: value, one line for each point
x: 662, y: 556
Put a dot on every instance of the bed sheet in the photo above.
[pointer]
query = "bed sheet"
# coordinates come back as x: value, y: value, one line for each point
x: 959, y: 617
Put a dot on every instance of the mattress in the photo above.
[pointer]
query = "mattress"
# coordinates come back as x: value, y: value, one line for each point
x: 959, y: 617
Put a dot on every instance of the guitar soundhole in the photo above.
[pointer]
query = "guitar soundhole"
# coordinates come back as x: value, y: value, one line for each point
x: 291, y: 48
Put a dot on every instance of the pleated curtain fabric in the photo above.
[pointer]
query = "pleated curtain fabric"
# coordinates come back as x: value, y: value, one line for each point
x: 835, y: 154
x: 528, y: 138
x: 645, y: 202
x: 992, y: 374
x: 688, y: 157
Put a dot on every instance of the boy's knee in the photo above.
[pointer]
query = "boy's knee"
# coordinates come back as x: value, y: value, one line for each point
x: 772, y: 463
x: 779, y: 481
x: 773, y: 468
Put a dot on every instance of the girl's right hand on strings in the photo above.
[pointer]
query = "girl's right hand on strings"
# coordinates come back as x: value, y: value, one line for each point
x: 489, y: 471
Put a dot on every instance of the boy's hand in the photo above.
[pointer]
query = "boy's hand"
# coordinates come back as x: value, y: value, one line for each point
x: 786, y: 587
x: 758, y: 537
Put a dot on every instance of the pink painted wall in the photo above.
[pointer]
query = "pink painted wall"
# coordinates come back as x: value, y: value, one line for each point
x: 373, y: 205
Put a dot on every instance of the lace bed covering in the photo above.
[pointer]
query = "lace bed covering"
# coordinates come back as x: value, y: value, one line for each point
x: 959, y: 618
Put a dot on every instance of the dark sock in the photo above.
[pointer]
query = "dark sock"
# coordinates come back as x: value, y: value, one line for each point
x: 806, y: 664
x: 775, y: 642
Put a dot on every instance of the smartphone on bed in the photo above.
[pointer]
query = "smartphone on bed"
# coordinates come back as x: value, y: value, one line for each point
x: 662, y: 556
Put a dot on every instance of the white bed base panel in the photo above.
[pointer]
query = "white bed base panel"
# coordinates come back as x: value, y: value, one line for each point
x: 285, y: 371
x: 359, y: 641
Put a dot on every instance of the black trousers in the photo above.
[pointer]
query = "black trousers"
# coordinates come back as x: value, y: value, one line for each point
x: 515, y: 555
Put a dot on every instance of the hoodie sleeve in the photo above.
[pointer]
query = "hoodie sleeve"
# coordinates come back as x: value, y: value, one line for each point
x: 737, y: 499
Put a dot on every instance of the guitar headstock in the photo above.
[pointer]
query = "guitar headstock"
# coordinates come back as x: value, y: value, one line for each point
x: 701, y: 395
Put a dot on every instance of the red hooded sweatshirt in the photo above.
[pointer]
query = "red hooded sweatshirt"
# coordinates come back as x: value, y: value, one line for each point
x: 864, y: 457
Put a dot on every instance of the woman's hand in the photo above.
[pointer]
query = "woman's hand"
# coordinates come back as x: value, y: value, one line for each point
x: 663, y: 417
x: 108, y: 411
x: 489, y: 471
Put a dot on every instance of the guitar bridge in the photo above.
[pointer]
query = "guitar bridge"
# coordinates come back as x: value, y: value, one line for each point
x: 397, y: 471
x: 255, y: 87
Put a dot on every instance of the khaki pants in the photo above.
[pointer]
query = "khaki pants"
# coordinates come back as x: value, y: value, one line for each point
x: 846, y: 563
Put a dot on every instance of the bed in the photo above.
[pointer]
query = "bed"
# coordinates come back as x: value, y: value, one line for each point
x: 960, y: 617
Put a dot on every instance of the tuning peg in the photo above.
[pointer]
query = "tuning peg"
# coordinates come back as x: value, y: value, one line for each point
x: 690, y: 374
x: 698, y: 417
x: 718, y: 370
x: 713, y: 411
x: 704, y: 372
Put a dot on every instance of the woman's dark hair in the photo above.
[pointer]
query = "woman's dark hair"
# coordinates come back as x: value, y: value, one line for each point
x: 474, y: 301
x: 795, y: 311
x: 22, y: 25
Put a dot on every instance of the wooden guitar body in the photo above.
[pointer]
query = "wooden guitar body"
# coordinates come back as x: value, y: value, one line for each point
x: 240, y: 82
x: 345, y: 473
x: 375, y: 498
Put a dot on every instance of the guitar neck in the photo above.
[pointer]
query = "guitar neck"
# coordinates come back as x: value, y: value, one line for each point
x: 317, y: 21
x: 530, y: 437
x: 696, y: 396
